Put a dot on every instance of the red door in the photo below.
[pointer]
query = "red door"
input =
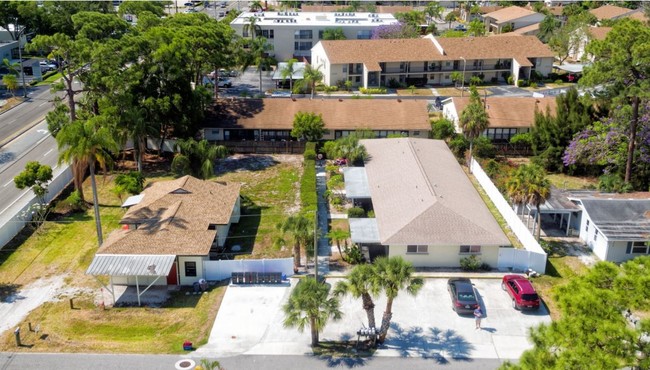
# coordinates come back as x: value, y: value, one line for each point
x: 172, y: 278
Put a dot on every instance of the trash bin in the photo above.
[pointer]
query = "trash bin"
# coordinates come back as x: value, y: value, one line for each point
x: 187, y: 346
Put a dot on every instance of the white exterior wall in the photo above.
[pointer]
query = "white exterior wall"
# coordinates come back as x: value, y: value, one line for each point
x: 544, y: 66
x: 527, y: 20
x: 448, y: 256
x: 189, y: 280
x: 319, y: 59
x: 143, y: 281
x: 214, y: 134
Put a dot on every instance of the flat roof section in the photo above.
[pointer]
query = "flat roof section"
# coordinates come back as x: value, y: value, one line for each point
x: 364, y: 230
x: 356, y: 183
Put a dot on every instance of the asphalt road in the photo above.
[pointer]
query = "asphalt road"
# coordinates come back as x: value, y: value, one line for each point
x: 16, y: 120
x: 10, y: 361
x: 36, y: 144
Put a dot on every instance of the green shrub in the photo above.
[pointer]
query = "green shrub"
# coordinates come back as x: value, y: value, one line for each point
x: 559, y: 82
x: 485, y: 267
x: 310, y: 154
x: 335, y: 181
x: 613, y: 183
x: 371, y: 214
x: 471, y: 263
x: 131, y: 183
x: 372, y: 90
x: 337, y: 201
x: 483, y: 148
x: 511, y: 80
x: 308, y: 195
x: 442, y: 129
x: 459, y: 145
x: 353, y: 255
x: 525, y: 138
x: 492, y: 168
x: 533, y: 85
x: 356, y: 212
x: 75, y: 202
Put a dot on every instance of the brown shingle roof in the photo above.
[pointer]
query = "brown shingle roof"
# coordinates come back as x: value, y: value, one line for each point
x: 495, y: 47
x: 344, y: 114
x: 383, y: 50
x: 507, y: 112
x: 599, y: 33
x: 509, y: 14
x: 489, y: 9
x: 418, y: 200
x: 639, y: 16
x: 610, y: 12
x: 173, y: 217
x: 372, y: 52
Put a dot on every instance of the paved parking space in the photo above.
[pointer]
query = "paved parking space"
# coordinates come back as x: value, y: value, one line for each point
x: 250, y: 322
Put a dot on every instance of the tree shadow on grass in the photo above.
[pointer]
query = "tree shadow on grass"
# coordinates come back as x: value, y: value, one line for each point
x: 433, y: 343
x: 345, y: 352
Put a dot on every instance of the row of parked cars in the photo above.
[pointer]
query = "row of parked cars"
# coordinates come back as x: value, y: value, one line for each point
x: 464, y: 298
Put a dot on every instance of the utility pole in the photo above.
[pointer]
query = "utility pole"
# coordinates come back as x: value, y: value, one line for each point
x: 20, y: 56
x: 462, y: 86
x: 316, y: 245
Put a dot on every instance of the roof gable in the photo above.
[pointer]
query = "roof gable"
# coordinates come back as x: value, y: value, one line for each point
x: 622, y: 219
x: 509, y: 14
x: 501, y: 113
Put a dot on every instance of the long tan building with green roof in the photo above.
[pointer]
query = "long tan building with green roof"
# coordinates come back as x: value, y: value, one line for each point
x: 430, y: 60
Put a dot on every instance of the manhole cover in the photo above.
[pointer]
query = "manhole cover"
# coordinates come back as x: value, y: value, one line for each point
x: 185, y: 364
x: 235, y: 248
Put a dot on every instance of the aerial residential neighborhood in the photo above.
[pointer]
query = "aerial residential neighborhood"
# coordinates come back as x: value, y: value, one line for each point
x: 324, y: 184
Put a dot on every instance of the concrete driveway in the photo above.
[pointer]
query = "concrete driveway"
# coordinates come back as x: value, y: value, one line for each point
x: 250, y: 322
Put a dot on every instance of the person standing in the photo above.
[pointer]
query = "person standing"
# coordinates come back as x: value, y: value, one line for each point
x: 478, y: 315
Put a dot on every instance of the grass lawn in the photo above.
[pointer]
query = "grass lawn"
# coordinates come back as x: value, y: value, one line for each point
x: 416, y: 92
x: 455, y: 92
x: 563, y: 181
x: 268, y: 196
x: 49, y: 80
x: 559, y: 269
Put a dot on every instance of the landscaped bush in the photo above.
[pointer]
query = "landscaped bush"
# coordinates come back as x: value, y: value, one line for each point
x: 353, y: 255
x: 308, y: 195
x: 373, y: 90
x: 442, y: 129
x: 492, y: 168
x: 511, y: 80
x: 335, y: 182
x: 559, y: 82
x: 523, y: 83
x: 483, y: 148
x: 533, y: 85
x: 392, y: 83
x: 459, y: 145
x: 471, y: 263
x: 356, y: 212
x: 371, y: 214
x: 74, y: 202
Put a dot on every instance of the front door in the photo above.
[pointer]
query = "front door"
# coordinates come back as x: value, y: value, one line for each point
x: 172, y: 278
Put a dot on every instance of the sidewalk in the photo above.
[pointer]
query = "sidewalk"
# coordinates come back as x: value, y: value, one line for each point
x: 324, y: 249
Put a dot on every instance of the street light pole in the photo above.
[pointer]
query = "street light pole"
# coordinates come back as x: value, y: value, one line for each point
x: 462, y: 84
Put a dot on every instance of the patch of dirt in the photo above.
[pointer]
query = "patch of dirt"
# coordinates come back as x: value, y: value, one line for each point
x: 253, y: 162
x: 572, y: 247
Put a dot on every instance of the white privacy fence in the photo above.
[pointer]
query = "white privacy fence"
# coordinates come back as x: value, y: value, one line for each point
x: 16, y: 214
x: 219, y: 270
x: 534, y: 256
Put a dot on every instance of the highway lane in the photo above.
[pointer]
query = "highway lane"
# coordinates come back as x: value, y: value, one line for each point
x: 16, y: 120
x: 36, y: 144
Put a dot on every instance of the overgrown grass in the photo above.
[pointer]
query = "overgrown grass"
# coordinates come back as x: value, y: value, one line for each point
x: 11, y: 102
x: 343, y: 349
x: 563, y: 181
x: 559, y: 269
x: 269, y: 195
x: 415, y: 92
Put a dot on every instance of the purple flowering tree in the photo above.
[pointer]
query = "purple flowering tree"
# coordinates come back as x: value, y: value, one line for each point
x: 397, y: 30
x: 605, y: 143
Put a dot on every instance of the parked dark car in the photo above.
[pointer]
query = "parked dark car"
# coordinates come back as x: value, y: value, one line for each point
x: 521, y: 292
x: 463, y: 296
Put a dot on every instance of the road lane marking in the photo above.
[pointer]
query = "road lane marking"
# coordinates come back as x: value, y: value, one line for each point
x: 42, y: 104
x: 48, y: 152
x: 10, y: 181
x: 13, y: 120
x: 14, y: 202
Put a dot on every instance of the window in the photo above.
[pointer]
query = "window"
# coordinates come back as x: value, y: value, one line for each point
x: 302, y: 45
x: 587, y: 226
x: 417, y: 249
x: 190, y: 268
x: 446, y: 77
x: 302, y: 35
x: 320, y: 34
x: 416, y: 133
x: 345, y: 69
x: 595, y: 234
x: 364, y: 35
x: 357, y: 79
x: 470, y: 249
x: 638, y: 247
x: 267, y: 34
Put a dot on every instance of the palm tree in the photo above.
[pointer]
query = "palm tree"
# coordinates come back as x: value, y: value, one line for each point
x: 88, y: 142
x: 257, y: 55
x: 394, y: 274
x: 256, y: 5
x: 137, y: 128
x: 473, y: 120
x: 252, y: 28
x: 434, y: 10
x: 289, y: 70
x: 337, y: 235
x: 312, y: 76
x: 361, y: 282
x: 515, y: 189
x: 13, y: 68
x: 197, y: 158
x: 301, y: 231
x: 11, y: 82
x: 309, y: 305
x: 536, y: 188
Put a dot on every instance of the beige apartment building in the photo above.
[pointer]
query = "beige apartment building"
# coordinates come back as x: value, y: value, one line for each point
x: 430, y: 60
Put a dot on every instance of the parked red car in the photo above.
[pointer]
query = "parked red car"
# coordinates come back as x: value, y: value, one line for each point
x: 521, y: 291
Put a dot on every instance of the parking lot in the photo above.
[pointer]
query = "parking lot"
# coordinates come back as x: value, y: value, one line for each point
x: 250, y: 322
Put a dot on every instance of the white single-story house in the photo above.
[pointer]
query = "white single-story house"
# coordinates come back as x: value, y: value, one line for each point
x: 426, y: 209
x: 168, y: 232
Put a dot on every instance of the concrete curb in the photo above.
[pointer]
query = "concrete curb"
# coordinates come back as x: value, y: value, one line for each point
x: 22, y: 131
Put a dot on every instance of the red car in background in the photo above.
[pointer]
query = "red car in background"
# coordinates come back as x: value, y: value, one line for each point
x: 521, y: 292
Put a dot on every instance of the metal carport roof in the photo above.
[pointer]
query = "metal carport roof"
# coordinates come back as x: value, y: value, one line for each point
x: 131, y: 265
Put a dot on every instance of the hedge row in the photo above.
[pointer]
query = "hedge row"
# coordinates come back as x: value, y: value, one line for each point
x: 308, y: 196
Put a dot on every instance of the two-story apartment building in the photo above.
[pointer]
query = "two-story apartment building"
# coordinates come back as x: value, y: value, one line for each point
x: 514, y: 16
x: 293, y: 34
x: 430, y: 60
